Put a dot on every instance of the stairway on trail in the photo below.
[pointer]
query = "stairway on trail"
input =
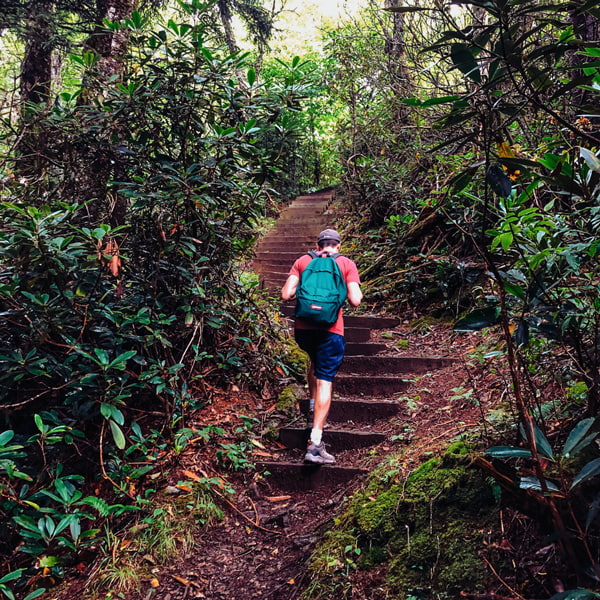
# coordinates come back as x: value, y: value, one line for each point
x: 369, y: 378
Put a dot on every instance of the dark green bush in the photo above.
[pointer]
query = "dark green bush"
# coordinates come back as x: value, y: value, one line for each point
x: 122, y: 295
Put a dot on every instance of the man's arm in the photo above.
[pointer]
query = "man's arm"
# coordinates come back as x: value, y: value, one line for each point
x: 288, y: 291
x: 355, y: 294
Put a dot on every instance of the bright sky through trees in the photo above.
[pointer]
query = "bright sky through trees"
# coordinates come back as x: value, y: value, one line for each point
x: 298, y: 26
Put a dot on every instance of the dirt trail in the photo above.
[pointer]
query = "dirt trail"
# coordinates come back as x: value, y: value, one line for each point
x: 390, y: 398
x: 273, y: 523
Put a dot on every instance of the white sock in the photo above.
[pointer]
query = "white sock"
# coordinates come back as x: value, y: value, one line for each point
x: 316, y: 435
x: 311, y: 404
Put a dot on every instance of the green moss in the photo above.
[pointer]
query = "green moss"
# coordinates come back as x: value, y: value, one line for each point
x: 295, y: 358
x: 425, y: 528
x: 373, y: 515
x: 372, y: 557
x: 423, y: 472
x: 402, y: 344
x: 289, y: 397
x: 458, y: 448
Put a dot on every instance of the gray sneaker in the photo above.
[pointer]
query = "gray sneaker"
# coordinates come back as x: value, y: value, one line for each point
x: 317, y: 454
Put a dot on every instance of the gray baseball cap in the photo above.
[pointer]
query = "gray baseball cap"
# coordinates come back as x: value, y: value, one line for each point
x: 329, y: 234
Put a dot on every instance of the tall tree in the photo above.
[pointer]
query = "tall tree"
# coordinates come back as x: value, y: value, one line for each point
x: 107, y: 43
x: 35, y: 81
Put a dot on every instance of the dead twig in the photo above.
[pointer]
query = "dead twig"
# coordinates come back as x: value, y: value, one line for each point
x: 237, y: 510
x: 515, y: 593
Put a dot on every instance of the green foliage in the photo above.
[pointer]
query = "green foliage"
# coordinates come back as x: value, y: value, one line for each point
x: 577, y: 442
x: 579, y: 594
x: 121, y: 297
x: 303, y: 141
x: 368, y: 81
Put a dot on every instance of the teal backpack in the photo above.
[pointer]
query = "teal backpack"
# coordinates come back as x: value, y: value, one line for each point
x: 321, y: 291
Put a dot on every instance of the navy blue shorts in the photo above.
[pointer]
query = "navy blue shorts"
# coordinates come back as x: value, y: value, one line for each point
x: 326, y: 351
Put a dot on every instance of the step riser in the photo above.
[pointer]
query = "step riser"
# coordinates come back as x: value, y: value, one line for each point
x: 357, y: 320
x: 300, y: 477
x: 299, y: 225
x: 274, y: 275
x: 283, y: 244
x: 351, y: 334
x: 272, y: 264
x: 301, y: 247
x: 373, y: 387
x: 364, y: 349
x: 295, y: 230
x: 342, y: 410
x: 291, y: 256
x: 292, y: 239
x: 340, y: 440
x: 363, y: 365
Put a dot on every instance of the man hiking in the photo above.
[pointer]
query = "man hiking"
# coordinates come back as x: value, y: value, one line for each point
x: 323, y: 342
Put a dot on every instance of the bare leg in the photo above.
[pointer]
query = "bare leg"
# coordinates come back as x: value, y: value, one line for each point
x: 316, y: 452
x: 322, y: 403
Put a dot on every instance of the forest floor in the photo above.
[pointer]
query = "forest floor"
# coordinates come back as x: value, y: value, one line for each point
x: 261, y: 547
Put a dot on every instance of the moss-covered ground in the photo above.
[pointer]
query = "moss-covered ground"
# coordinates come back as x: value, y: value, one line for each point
x: 423, y: 532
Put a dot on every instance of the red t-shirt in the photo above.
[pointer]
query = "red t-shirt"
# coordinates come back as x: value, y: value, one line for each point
x: 350, y: 274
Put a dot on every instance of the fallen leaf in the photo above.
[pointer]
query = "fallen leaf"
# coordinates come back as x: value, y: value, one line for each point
x: 263, y: 454
x: 192, y: 476
x: 278, y: 498
x: 291, y: 581
x: 182, y: 580
x: 154, y: 582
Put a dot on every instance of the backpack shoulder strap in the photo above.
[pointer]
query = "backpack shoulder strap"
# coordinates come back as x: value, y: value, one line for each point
x: 312, y: 254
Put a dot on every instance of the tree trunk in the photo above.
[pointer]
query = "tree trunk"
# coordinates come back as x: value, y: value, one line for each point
x: 96, y: 161
x: 35, y: 86
x: 110, y: 46
x: 400, y: 77
x: 225, y: 14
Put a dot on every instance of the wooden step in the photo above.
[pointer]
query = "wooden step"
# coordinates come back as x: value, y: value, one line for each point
x: 296, y: 225
x: 273, y: 275
x: 268, y: 263
x: 289, y: 253
x: 341, y: 439
x: 364, y: 348
x: 288, y: 239
x: 358, y: 411
x: 363, y: 365
x: 351, y: 334
x: 352, y: 320
x: 300, y: 476
x: 371, y: 386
